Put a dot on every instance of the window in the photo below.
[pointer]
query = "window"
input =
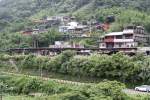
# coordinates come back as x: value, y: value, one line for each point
x: 120, y: 44
x: 139, y: 31
x: 128, y: 36
x: 119, y: 37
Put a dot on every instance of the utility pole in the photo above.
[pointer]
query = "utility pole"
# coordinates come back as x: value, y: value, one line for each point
x: 1, y: 91
x: 41, y: 71
x: 35, y: 40
x: 90, y: 27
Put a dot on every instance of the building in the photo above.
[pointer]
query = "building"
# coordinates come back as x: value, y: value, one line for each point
x: 27, y: 31
x: 31, y: 31
x: 64, y: 44
x: 74, y: 28
x: 48, y: 22
x: 103, y: 26
x: 130, y: 37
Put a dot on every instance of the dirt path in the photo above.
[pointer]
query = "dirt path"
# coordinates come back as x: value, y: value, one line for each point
x: 51, y: 79
x: 127, y: 91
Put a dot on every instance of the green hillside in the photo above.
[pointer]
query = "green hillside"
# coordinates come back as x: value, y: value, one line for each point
x: 17, y: 15
x: 79, y: 66
x: 18, y: 12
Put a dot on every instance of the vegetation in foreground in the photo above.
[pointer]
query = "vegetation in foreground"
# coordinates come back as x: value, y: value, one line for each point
x: 20, y: 85
x: 24, y: 85
x: 126, y: 69
x: 118, y: 66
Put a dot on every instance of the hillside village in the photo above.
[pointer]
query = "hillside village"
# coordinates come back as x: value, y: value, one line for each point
x: 130, y: 40
x: 74, y: 50
x: 69, y: 25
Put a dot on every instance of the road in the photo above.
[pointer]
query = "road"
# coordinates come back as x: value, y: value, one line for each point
x: 133, y: 92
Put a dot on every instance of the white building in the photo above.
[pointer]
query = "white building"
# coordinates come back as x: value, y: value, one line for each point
x: 74, y: 28
x: 131, y: 36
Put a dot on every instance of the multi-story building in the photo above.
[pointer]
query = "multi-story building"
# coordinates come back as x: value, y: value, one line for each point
x: 74, y: 28
x: 31, y: 31
x: 64, y: 44
x: 130, y: 37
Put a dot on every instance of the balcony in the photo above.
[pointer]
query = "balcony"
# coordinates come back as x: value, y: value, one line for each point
x: 123, y: 40
x: 109, y: 40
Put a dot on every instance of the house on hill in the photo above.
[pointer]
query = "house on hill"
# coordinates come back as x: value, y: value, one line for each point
x: 130, y: 37
x: 74, y: 28
x: 66, y: 44
x: 31, y: 31
x: 27, y: 31
x: 48, y: 21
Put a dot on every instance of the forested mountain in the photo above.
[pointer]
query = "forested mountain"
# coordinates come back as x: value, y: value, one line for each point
x: 16, y: 15
x: 18, y: 12
x: 57, y: 76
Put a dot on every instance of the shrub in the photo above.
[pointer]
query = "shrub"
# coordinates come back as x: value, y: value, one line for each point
x: 32, y: 85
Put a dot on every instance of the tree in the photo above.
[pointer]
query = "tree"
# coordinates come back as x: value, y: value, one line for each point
x: 2, y: 89
x: 45, y: 39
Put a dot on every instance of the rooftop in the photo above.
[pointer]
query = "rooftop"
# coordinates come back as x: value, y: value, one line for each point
x: 128, y: 31
x: 75, y: 24
x: 114, y: 33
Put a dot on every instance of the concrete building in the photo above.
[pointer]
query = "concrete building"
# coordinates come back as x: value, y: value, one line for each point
x: 64, y: 44
x: 74, y: 28
x: 130, y: 37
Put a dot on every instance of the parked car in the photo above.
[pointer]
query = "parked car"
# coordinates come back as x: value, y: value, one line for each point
x: 143, y: 88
